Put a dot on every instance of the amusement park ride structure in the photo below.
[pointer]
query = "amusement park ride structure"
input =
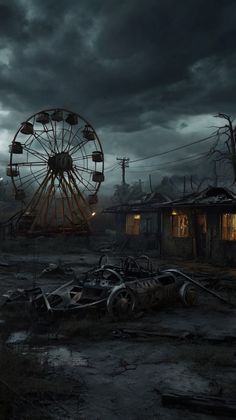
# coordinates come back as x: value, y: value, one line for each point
x: 56, y: 167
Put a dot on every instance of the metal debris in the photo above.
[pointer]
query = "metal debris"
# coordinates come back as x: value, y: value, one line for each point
x: 55, y: 270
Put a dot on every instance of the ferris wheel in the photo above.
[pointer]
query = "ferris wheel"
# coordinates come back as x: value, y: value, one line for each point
x: 56, y: 167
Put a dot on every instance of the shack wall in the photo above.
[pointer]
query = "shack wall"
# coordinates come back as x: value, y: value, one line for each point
x: 217, y: 250
x: 149, y: 237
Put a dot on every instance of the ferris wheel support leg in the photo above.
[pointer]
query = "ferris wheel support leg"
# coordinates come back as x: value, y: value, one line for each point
x: 80, y: 211
x: 48, y: 201
x: 40, y: 208
x: 33, y: 204
x: 80, y: 195
x: 69, y: 202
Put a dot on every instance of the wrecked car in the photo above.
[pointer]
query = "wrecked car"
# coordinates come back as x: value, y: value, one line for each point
x: 120, y: 290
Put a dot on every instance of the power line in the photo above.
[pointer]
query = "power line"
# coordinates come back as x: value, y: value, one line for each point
x: 192, y: 158
x: 173, y: 150
x: 111, y: 168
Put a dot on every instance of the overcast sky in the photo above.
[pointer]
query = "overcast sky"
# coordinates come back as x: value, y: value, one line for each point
x: 148, y: 74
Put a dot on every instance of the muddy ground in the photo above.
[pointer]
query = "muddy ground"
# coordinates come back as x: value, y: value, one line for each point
x: 100, y: 369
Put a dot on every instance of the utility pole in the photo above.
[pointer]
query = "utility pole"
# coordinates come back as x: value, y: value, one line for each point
x: 150, y: 182
x: 191, y: 182
x: 184, y: 186
x: 124, y: 163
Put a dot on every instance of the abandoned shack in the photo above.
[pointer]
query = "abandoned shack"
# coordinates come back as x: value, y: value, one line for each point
x: 138, y: 223
x: 201, y: 225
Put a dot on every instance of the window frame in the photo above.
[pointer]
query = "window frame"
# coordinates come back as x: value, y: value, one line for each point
x: 177, y: 229
x: 227, y: 230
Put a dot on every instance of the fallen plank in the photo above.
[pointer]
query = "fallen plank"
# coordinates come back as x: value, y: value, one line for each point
x: 176, y: 335
x: 201, y: 404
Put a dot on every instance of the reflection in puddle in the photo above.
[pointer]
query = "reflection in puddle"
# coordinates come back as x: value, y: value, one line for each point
x: 57, y: 356
x: 17, y: 337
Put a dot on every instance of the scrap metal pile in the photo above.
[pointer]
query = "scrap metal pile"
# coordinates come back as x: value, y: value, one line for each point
x: 121, y: 290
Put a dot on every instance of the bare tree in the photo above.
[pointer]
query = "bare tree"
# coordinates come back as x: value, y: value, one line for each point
x: 197, y: 184
x: 228, y: 153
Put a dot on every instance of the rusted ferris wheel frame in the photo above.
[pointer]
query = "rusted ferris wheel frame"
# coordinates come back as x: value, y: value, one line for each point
x: 53, y: 155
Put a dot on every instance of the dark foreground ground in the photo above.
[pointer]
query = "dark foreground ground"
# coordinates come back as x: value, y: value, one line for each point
x: 89, y: 367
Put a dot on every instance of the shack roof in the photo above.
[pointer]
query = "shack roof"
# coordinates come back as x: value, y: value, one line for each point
x: 142, y: 205
x: 210, y: 196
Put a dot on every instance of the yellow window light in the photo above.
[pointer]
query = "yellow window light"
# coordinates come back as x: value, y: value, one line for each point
x: 137, y: 217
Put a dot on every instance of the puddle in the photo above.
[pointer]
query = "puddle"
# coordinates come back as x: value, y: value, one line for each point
x: 18, y: 337
x: 59, y: 356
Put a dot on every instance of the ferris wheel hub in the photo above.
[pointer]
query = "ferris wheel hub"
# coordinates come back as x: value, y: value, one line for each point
x: 60, y: 162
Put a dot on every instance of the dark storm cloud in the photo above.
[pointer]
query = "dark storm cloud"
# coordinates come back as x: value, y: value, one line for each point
x: 126, y: 65
x: 121, y: 54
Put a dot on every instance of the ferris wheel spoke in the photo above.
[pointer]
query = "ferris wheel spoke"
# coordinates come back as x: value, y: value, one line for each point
x: 80, y: 168
x: 29, y: 140
x: 49, y: 138
x: 83, y: 182
x: 62, y: 136
x: 26, y: 184
x: 30, y: 164
x: 35, y: 153
x: 45, y: 142
x: 83, y: 152
x: 68, y: 141
x: 41, y: 142
x: 80, y: 179
x: 28, y: 147
x: 72, y: 139
x: 31, y: 173
x: 37, y: 195
x: 54, y: 130
x: 39, y: 175
x: 76, y: 148
x: 82, y: 158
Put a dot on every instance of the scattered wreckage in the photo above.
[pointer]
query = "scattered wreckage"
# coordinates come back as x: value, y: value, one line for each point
x: 120, y: 290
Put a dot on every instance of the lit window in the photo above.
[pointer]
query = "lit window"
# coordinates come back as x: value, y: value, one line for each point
x: 229, y: 227
x: 133, y: 224
x: 180, y: 225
